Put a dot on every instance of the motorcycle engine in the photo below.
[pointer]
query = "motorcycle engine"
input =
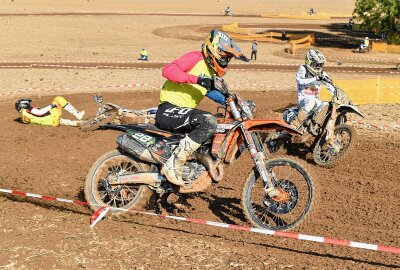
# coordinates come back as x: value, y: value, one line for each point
x: 192, y: 170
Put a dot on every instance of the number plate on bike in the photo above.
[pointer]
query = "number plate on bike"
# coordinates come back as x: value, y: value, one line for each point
x: 144, y: 139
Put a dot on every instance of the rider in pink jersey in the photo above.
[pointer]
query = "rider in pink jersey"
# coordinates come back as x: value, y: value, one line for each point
x: 189, y: 79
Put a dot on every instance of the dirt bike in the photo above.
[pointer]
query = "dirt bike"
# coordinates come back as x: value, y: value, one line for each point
x: 325, y: 126
x: 362, y: 49
x: 278, y: 193
x: 112, y: 113
x: 348, y: 26
x: 398, y: 66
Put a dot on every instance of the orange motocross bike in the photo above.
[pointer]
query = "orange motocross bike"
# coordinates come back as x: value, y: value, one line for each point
x: 278, y: 193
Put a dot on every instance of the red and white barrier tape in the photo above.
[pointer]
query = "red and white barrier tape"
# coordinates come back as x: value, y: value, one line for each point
x: 368, y: 59
x: 102, y: 211
x: 265, y: 86
x: 107, y: 64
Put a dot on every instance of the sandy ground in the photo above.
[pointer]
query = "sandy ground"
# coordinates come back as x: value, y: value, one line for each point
x: 358, y: 196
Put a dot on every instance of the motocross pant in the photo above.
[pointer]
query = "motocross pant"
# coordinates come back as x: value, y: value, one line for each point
x: 310, y: 103
x: 199, y: 125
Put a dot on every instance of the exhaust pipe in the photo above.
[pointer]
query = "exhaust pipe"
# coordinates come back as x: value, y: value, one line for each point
x: 216, y: 172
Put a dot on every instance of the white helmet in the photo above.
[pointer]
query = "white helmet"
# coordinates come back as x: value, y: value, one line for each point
x: 315, y: 61
x: 366, y: 37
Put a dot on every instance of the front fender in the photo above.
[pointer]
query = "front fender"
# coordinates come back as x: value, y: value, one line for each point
x: 267, y: 125
x: 349, y: 109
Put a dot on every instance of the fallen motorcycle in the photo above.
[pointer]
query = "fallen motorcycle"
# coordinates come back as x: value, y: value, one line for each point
x: 325, y: 132
x: 114, y: 114
x: 278, y: 193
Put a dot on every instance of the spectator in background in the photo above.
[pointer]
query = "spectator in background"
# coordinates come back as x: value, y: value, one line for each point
x: 311, y: 11
x: 254, y: 50
x: 284, y: 37
x: 350, y: 24
x: 143, y: 55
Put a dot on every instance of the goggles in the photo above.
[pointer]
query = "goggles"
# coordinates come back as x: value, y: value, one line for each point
x: 224, y: 60
x: 317, y: 65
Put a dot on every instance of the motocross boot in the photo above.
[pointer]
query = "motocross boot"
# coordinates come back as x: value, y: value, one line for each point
x: 301, y: 116
x: 173, y: 167
x: 319, y: 118
x: 297, y: 125
x: 69, y: 108
x: 67, y: 122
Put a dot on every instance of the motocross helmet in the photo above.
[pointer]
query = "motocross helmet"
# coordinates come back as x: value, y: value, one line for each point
x: 315, y: 61
x: 22, y: 103
x: 218, y: 49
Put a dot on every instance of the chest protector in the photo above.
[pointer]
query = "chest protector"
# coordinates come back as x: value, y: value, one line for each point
x: 183, y: 94
x: 52, y: 119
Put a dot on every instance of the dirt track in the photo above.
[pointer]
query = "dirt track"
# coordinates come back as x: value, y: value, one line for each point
x: 358, y: 202
x: 359, y: 198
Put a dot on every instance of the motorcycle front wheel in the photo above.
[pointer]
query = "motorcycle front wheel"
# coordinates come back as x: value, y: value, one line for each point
x: 100, y: 189
x: 328, y: 154
x: 291, y: 208
x: 95, y: 121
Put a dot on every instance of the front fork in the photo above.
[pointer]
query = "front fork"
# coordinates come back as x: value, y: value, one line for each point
x: 259, y: 160
x: 330, y: 126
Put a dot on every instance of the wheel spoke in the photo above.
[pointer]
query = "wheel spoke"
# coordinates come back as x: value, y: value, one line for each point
x: 286, y: 210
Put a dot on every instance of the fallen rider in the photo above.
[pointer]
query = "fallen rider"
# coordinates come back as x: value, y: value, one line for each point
x: 50, y: 115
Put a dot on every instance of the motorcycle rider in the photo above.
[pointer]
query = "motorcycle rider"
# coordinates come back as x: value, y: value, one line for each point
x: 228, y: 12
x: 189, y: 79
x: 309, y: 78
x: 49, y: 115
x: 364, y: 45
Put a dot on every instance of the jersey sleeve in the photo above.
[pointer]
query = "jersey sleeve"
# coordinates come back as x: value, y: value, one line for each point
x: 216, y: 96
x: 177, y: 70
x: 328, y: 86
x: 40, y: 111
x: 301, y: 78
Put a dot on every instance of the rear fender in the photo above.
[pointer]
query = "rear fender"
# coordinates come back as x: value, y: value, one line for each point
x: 265, y: 125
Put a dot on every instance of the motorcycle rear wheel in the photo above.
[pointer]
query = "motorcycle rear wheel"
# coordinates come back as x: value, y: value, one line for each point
x: 99, y: 192
x: 290, y: 178
x: 95, y: 121
x: 325, y: 156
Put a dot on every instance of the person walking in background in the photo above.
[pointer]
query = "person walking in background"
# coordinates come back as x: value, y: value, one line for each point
x: 254, y: 50
x: 284, y: 38
x: 143, y: 55
x: 49, y: 115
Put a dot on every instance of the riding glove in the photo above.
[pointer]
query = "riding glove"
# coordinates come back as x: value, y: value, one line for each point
x: 207, y: 83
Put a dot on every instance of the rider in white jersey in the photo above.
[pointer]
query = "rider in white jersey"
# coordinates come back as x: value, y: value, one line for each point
x: 309, y: 78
